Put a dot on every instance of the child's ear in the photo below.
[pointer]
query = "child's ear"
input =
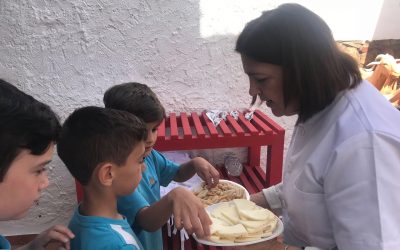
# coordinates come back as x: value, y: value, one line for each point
x: 106, y: 174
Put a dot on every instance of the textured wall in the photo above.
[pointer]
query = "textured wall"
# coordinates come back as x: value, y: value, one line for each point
x: 67, y: 53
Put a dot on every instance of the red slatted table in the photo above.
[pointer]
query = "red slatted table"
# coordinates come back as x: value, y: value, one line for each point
x: 196, y: 131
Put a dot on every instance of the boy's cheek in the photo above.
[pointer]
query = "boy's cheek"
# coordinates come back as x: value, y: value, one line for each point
x: 147, y: 152
x: 44, y: 182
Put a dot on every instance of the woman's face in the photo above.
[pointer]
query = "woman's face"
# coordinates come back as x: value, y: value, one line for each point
x: 266, y: 81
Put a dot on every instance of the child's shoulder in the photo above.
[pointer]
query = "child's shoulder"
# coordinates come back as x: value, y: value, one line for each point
x: 156, y: 156
x: 4, y: 244
x: 95, y: 231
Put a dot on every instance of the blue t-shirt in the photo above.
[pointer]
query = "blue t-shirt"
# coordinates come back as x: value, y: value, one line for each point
x: 159, y: 172
x: 4, y: 244
x: 100, y: 233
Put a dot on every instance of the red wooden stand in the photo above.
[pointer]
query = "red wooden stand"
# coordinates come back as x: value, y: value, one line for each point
x: 196, y: 131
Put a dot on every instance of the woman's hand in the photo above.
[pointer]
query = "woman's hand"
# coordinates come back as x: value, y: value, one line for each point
x: 259, y: 199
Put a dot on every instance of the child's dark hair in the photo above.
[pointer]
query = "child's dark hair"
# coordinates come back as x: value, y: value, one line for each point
x: 314, y: 69
x: 137, y: 99
x: 25, y: 123
x: 94, y: 135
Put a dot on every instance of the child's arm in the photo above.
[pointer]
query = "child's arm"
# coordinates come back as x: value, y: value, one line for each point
x: 188, y: 211
x: 56, y: 233
x: 200, y: 166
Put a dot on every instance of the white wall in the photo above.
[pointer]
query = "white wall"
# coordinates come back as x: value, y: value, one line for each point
x: 67, y: 53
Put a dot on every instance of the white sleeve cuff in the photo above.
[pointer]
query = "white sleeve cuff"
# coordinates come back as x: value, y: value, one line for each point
x: 272, y: 195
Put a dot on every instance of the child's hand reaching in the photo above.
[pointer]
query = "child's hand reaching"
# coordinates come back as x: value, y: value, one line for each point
x: 202, y: 167
x: 206, y: 171
x: 189, y: 212
x: 57, y: 233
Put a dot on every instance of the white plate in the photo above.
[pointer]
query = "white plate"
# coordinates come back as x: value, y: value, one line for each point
x: 278, y: 230
x: 246, y: 193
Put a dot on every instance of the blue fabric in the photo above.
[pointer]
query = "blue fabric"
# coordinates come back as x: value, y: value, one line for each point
x: 4, y: 244
x: 100, y: 233
x: 130, y: 205
x: 159, y: 171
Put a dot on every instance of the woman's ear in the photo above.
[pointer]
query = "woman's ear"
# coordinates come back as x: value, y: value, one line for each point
x: 106, y: 173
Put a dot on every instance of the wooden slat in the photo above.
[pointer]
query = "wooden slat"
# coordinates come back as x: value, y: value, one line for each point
x: 187, y: 243
x: 165, y: 236
x: 269, y: 121
x: 176, y: 244
x: 198, y: 246
x: 248, y: 125
x: 260, y: 124
x: 260, y: 174
x: 248, y: 171
x: 225, y: 129
x: 238, y: 129
x: 210, y: 125
x: 161, y: 131
x: 79, y: 191
x: 174, y: 126
x: 187, y: 132
x: 246, y: 183
x: 198, y: 125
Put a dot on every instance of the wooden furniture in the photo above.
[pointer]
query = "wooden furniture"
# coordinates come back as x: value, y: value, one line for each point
x: 196, y: 131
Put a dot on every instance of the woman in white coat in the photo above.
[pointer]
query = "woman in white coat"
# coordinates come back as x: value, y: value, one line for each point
x: 340, y: 187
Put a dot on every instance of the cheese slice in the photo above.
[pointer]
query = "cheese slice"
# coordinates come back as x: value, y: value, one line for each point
x: 226, y: 213
x: 258, y: 215
x: 241, y: 221
x: 231, y: 215
x: 218, y: 239
x: 231, y: 231
x: 251, y: 230
x: 243, y: 204
x: 218, y: 210
x: 266, y: 234
x: 219, y: 221
x: 254, y: 223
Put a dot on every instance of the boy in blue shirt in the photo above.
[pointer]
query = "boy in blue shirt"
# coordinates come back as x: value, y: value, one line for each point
x: 144, y: 208
x: 104, y: 150
x: 28, y: 131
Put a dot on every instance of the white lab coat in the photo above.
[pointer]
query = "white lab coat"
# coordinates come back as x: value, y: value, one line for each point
x: 341, y: 182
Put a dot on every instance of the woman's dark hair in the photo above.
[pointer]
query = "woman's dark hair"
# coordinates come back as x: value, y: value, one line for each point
x: 25, y: 123
x: 136, y: 98
x: 93, y: 135
x: 314, y: 69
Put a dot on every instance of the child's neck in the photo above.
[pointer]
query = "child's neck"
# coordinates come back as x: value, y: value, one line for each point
x: 99, y: 203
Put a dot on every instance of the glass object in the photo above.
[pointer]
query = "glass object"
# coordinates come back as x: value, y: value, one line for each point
x: 233, y: 165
